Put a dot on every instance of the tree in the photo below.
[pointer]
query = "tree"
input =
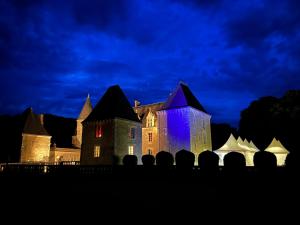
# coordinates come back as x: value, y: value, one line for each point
x: 270, y: 117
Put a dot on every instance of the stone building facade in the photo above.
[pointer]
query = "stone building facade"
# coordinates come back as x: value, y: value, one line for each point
x: 179, y: 123
x: 58, y: 155
x: 72, y: 153
x: 35, y: 140
x: 148, y: 115
x: 85, y: 112
x: 111, y: 131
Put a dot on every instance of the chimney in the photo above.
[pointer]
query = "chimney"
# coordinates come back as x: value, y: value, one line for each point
x: 42, y: 119
x: 136, y: 103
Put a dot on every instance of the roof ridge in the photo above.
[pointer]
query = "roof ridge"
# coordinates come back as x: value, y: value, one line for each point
x: 182, y: 96
x: 86, y: 109
x: 113, y: 104
x: 33, y: 124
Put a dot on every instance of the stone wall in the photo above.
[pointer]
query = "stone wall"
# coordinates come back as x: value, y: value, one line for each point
x: 152, y: 145
x: 64, y: 154
x: 184, y: 128
x: 163, y: 144
x: 200, y: 134
x: 106, y: 143
x: 35, y: 148
x: 113, y: 142
x: 123, y: 140
x: 77, y: 139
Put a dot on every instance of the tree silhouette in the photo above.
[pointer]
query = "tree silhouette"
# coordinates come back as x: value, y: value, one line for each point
x: 208, y: 161
x: 164, y: 159
x: 148, y: 160
x: 270, y: 117
x: 184, y: 160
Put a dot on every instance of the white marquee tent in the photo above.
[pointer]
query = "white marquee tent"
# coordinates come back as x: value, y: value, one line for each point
x: 278, y: 150
x: 244, y: 147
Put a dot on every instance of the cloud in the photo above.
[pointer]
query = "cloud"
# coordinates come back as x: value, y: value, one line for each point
x: 52, y: 53
x: 200, y: 3
x: 101, y: 13
x: 251, y: 27
x: 106, y: 67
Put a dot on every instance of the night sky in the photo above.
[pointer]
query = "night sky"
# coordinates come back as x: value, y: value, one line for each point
x: 53, y: 53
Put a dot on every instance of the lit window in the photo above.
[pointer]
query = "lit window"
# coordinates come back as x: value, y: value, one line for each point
x: 132, y: 133
x: 150, y: 120
x: 150, y: 137
x: 97, y: 151
x: 149, y: 151
x: 130, y: 150
x: 98, y: 131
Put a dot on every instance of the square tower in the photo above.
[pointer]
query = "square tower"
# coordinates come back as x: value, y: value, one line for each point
x: 111, y: 131
x: 183, y: 123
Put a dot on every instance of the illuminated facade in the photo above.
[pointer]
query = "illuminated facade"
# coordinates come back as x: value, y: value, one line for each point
x: 179, y: 123
x: 85, y: 111
x: 58, y: 155
x: 183, y: 123
x: 35, y: 140
x: 148, y: 115
x: 111, y: 131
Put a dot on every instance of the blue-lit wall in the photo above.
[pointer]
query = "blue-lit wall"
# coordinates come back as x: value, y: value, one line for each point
x: 178, y: 129
x: 184, y: 128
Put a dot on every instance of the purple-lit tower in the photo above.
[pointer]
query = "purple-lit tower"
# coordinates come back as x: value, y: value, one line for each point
x: 183, y: 123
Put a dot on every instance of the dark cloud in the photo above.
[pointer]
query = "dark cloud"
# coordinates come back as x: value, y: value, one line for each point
x: 52, y: 53
x: 200, y: 3
x: 251, y: 27
x: 106, y: 67
x: 24, y: 5
x: 101, y: 13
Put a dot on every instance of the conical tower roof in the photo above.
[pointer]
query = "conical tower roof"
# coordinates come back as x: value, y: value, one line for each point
x: 86, y: 109
x: 276, y: 147
x: 113, y: 104
x: 33, y: 124
x: 182, y: 97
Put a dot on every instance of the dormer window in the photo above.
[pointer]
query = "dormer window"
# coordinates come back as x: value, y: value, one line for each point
x: 150, y: 120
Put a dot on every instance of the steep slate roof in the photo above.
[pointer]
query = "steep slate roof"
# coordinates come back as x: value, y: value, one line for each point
x: 113, y: 104
x: 181, y: 97
x: 33, y: 124
x: 86, y: 109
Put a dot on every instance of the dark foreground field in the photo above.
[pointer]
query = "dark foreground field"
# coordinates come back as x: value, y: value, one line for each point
x: 142, y: 195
